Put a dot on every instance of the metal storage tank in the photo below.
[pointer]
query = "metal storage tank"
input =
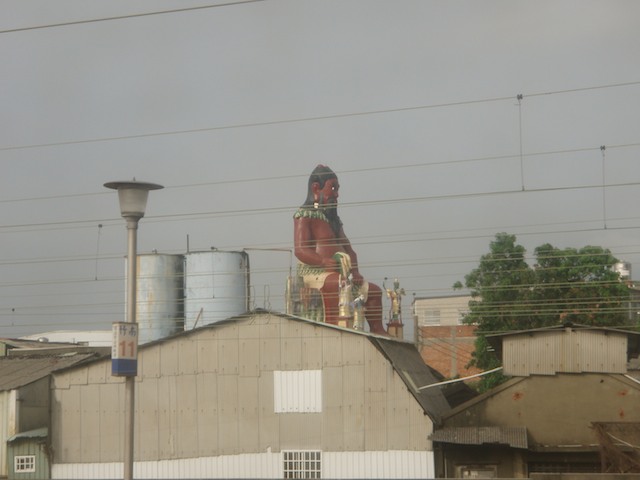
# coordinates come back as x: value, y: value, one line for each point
x: 216, y: 286
x: 160, y: 296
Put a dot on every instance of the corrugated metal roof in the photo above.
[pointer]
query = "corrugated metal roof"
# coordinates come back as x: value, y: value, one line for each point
x: 515, y: 437
x: 633, y: 337
x: 20, y: 343
x: 37, y: 433
x: 16, y: 372
x: 406, y: 360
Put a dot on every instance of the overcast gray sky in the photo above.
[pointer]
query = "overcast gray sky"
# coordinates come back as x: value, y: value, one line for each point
x: 413, y: 103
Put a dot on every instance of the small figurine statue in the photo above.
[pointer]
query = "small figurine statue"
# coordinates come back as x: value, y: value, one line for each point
x: 396, y: 297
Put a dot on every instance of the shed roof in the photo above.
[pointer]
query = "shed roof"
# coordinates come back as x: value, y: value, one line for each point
x: 559, y: 327
x: 37, y: 433
x: 18, y: 371
x: 31, y: 344
x: 515, y: 437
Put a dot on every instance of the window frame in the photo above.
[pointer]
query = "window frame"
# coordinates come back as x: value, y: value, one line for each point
x: 432, y: 317
x: 24, y: 463
x: 301, y: 464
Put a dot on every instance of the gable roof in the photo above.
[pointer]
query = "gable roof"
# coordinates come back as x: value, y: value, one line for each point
x: 403, y: 357
x: 633, y: 337
x: 560, y: 327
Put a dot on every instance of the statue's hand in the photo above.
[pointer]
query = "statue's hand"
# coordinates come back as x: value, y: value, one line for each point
x: 356, y: 278
x: 330, y: 264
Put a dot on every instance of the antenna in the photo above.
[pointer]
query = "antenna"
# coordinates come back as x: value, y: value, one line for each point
x: 520, y: 97
x: 604, y: 189
x: 98, y: 249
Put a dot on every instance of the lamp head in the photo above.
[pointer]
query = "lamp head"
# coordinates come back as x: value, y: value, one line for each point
x: 133, y: 197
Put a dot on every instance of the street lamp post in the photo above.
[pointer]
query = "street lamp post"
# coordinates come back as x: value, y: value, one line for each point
x: 132, y: 196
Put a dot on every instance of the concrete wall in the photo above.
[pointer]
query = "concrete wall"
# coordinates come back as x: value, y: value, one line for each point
x: 511, y: 462
x: 446, y: 310
x: 34, y: 405
x: 445, y: 345
x: 557, y: 410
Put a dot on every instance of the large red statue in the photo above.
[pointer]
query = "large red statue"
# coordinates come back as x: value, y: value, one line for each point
x: 327, y: 261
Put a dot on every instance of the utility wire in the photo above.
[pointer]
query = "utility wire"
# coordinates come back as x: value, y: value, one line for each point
x: 274, y: 210
x: 308, y: 119
x: 123, y: 17
x: 604, y: 189
x: 340, y: 172
x: 463, y: 234
x: 250, y: 124
x: 519, y: 97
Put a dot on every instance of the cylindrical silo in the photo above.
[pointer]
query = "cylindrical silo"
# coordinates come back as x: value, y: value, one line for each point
x: 159, y: 296
x: 216, y: 287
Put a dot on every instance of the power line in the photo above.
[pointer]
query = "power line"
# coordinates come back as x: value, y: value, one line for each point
x: 310, y: 118
x: 414, y: 237
x: 123, y: 17
x: 583, y: 89
x: 248, y: 125
x: 392, y: 201
x: 274, y: 210
x: 283, y: 271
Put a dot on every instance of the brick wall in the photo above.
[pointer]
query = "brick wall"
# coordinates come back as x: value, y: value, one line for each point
x: 448, y: 348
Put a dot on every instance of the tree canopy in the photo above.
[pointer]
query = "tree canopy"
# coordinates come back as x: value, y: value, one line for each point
x: 564, y: 285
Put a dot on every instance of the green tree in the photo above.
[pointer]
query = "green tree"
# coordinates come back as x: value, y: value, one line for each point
x: 564, y: 285
x: 578, y: 286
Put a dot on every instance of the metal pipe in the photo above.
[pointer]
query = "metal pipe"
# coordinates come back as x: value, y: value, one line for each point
x: 455, y: 380
x: 132, y: 196
x: 130, y: 381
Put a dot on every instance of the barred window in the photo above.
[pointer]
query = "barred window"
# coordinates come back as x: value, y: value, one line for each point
x: 24, y: 463
x: 302, y: 464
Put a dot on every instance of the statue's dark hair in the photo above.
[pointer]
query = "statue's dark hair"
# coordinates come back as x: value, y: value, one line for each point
x: 320, y: 174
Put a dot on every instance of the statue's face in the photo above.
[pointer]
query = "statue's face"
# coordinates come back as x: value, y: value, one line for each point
x: 329, y: 193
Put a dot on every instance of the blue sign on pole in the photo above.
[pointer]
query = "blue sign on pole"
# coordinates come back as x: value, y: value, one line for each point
x: 124, y: 349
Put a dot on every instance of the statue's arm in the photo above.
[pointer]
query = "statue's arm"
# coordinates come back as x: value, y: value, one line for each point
x: 346, y: 246
x: 305, y: 245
